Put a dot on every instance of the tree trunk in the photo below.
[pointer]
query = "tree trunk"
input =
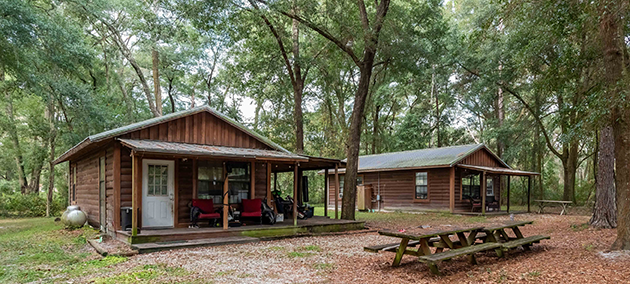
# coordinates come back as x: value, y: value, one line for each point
x: 12, y: 131
x: 51, y: 167
x: 156, y: 80
x: 437, y: 109
x: 354, y: 139
x: 170, y: 95
x: 605, y: 211
x: 298, y: 88
x: 569, y: 171
x: 375, y: 128
x: 609, y: 28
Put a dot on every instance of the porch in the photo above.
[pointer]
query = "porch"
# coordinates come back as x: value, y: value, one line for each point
x: 481, y: 188
x: 166, y: 177
x: 173, y: 238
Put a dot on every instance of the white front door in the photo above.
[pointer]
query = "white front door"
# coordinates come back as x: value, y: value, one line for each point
x: 157, y: 193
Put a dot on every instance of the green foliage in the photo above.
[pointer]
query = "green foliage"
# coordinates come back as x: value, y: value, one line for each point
x: 29, y: 205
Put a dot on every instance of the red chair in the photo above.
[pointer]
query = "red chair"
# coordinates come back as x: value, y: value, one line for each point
x: 251, y: 208
x: 207, y: 209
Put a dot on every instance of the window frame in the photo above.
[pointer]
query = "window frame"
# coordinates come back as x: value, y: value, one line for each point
x: 415, y: 185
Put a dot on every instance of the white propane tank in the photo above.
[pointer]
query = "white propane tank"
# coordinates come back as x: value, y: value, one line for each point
x: 74, y: 217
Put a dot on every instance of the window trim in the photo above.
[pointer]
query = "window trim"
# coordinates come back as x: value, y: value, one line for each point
x: 340, y: 191
x: 419, y: 200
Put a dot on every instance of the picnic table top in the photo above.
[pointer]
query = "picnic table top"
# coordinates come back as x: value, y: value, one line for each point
x: 554, y: 201
x: 508, y: 225
x: 413, y: 236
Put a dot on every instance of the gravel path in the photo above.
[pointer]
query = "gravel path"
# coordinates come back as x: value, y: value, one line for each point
x: 575, y: 254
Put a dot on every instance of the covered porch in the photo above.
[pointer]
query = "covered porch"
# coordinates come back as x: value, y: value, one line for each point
x: 167, y: 176
x: 481, y: 188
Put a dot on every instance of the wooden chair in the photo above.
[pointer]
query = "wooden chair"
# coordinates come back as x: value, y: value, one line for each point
x: 207, y: 209
x: 474, y: 204
x: 252, y: 209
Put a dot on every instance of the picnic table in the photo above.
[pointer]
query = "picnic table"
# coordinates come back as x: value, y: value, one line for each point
x: 493, y: 238
x: 543, y: 203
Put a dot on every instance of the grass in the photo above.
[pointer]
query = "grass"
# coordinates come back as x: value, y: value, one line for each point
x: 40, y: 250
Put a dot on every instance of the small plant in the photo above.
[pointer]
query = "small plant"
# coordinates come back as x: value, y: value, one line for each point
x: 534, y: 273
x: 311, y: 248
x: 295, y: 254
x: 588, y: 247
x: 324, y: 266
x: 579, y: 227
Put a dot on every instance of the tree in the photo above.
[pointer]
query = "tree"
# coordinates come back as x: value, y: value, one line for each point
x: 605, y: 209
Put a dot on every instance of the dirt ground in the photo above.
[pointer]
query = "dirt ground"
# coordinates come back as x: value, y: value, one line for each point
x: 575, y: 254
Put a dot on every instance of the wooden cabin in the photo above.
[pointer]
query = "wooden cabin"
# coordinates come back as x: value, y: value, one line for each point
x: 157, y: 166
x: 458, y: 179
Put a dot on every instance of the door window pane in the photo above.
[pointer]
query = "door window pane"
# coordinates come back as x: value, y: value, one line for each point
x: 158, y: 180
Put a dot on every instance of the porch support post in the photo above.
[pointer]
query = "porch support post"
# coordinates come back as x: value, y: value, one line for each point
x: 529, y: 191
x: 483, y: 193
x: 225, y: 198
x: 269, y: 202
x: 508, y: 194
x: 295, y: 191
x: 116, y: 166
x: 136, y: 191
x: 252, y: 180
x: 451, y: 183
x: 326, y: 192
x: 195, y: 178
x: 336, y: 196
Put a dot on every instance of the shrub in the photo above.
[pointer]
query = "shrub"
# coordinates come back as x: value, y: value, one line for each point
x: 29, y: 205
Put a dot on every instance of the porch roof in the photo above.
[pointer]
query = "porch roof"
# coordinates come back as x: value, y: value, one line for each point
x: 187, y: 149
x: 501, y: 171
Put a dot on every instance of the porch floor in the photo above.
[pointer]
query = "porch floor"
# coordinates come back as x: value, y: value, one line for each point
x: 161, y: 239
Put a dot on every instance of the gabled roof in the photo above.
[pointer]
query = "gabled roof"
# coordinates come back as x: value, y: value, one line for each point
x: 422, y: 158
x: 162, y: 119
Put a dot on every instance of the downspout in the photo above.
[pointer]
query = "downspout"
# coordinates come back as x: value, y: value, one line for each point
x: 378, y: 187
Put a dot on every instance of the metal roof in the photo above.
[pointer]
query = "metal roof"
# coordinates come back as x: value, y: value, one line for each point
x: 163, y: 147
x: 433, y: 157
x: 418, y: 159
x: 161, y: 119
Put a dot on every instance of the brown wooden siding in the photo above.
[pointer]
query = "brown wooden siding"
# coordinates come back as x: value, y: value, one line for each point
x: 125, y: 177
x: 185, y: 191
x: 201, y: 128
x: 87, y: 195
x: 261, y: 180
x: 481, y: 158
x: 109, y: 186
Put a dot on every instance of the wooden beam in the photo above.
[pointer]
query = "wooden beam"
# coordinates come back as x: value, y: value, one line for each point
x: 195, y: 177
x: 483, y: 193
x: 295, y: 191
x: 269, y: 197
x: 336, y: 196
x: 508, y: 194
x: 176, y: 193
x: 136, y: 192
x: 252, y: 179
x: 326, y: 192
x: 226, y: 198
x: 529, y: 191
x: 116, y: 166
x: 451, y: 183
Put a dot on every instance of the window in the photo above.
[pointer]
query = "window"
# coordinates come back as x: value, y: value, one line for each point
x: 210, y: 181
x: 158, y: 180
x: 470, y: 187
x: 73, y: 197
x: 422, y: 190
x: 489, y: 187
x: 341, y: 183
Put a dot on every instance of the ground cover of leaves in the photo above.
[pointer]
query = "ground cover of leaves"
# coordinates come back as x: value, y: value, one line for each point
x: 575, y: 254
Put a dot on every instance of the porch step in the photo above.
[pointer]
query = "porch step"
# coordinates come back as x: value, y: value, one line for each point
x: 152, y: 247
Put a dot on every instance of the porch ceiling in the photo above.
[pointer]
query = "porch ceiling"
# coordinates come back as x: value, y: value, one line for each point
x: 186, y: 149
x: 501, y: 171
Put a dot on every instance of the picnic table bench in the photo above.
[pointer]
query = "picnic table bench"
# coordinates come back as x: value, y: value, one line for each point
x: 543, y: 203
x: 494, y: 238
